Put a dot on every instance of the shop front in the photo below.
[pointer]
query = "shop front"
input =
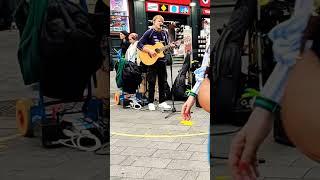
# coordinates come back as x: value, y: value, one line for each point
x: 136, y: 16
x: 120, y: 20
x: 119, y: 16
x: 176, y: 21
x: 204, y: 34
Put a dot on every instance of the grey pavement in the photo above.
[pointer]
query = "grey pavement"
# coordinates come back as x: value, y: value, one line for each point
x: 12, y: 86
x: 134, y: 156
x: 282, y: 162
x: 186, y: 157
x: 25, y: 158
x: 139, y: 152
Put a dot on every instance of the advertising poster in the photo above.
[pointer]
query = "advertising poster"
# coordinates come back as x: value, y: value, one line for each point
x: 119, y: 16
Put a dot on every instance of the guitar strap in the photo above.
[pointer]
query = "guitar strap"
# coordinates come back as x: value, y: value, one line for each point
x: 151, y: 29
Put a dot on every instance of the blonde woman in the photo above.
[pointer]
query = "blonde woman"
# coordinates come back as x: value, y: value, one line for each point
x: 131, y: 54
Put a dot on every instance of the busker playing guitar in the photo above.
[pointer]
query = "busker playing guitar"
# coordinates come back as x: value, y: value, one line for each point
x: 151, y: 37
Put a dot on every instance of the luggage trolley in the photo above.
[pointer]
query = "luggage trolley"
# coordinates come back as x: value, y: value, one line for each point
x: 45, y: 116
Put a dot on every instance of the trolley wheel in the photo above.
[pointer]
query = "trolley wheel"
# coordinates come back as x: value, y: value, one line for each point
x: 23, y: 117
x: 117, y: 98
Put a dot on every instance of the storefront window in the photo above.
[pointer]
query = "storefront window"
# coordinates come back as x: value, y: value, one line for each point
x: 119, y: 16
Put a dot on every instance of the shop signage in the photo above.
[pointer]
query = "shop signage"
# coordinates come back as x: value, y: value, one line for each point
x: 204, y: 3
x: 152, y: 7
x: 167, y: 8
x: 184, y: 10
x: 174, y: 9
x: 187, y: 37
x: 182, y: 2
x: 164, y: 7
x: 205, y: 11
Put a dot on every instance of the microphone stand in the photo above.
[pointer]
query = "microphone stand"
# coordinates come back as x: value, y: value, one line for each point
x: 173, y: 109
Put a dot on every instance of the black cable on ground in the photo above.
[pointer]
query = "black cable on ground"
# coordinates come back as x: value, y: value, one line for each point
x: 219, y: 157
x: 260, y: 161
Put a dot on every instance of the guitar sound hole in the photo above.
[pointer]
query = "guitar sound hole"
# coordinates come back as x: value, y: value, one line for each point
x: 157, y: 50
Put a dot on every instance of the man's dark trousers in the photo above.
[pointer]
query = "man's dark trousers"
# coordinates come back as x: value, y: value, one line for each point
x: 158, y: 68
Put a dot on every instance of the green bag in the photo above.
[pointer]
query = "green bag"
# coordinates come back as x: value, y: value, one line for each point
x: 28, y: 52
x: 121, y: 65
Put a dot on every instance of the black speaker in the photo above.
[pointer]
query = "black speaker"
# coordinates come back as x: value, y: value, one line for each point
x: 51, y: 132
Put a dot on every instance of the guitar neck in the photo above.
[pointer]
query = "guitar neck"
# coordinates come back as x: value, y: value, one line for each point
x: 166, y: 47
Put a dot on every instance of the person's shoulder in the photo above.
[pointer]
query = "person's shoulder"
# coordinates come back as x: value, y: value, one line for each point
x: 147, y: 34
x: 150, y: 30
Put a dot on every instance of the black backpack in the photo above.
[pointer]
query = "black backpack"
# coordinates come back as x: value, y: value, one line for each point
x: 70, y: 50
x: 227, y: 62
x: 230, y: 82
x: 131, y: 77
x: 179, y: 86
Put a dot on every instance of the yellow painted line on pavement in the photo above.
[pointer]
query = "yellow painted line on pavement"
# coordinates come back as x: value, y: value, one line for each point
x: 159, y: 135
x: 7, y: 138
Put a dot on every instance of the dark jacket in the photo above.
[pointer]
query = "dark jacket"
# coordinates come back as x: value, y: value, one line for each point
x: 151, y: 36
x: 124, y: 45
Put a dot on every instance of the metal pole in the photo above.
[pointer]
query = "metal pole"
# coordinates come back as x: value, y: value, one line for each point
x: 259, y: 47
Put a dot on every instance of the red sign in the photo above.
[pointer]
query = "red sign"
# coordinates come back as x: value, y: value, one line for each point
x: 182, y: 2
x: 204, y: 3
x: 206, y: 11
x: 167, y: 8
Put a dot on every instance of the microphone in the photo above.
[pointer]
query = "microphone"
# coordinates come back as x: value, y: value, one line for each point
x: 163, y: 26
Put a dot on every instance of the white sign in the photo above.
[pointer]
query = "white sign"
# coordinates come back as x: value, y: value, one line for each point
x: 187, y: 38
x: 152, y: 6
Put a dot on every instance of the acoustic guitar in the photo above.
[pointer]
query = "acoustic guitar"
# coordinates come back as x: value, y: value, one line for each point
x: 159, y: 48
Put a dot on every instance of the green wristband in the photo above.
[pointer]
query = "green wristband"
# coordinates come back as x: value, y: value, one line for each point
x: 266, y: 104
x: 192, y: 94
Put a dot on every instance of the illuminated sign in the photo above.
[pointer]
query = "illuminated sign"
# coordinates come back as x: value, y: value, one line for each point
x: 184, y: 10
x: 164, y: 7
x: 174, y: 9
x: 182, y: 2
x: 152, y: 6
x: 204, y: 3
x: 167, y: 8
x: 205, y: 11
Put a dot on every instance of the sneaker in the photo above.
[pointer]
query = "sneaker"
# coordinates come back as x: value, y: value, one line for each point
x: 151, y: 107
x: 164, y: 105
